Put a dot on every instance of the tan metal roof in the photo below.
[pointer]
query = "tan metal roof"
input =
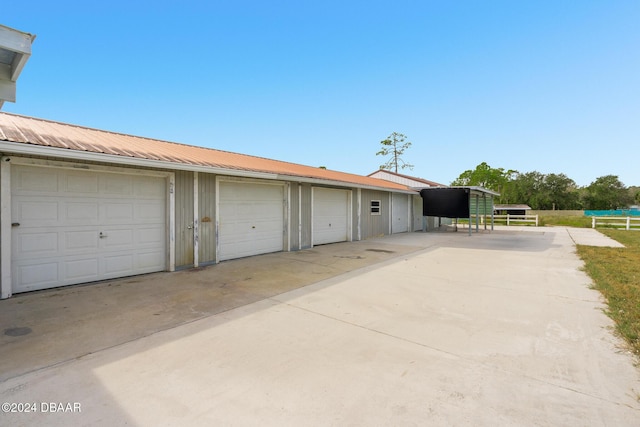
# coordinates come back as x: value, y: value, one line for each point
x: 512, y: 206
x: 408, y: 177
x: 44, y: 133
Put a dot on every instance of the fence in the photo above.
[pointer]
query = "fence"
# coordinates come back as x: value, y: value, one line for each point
x: 504, y: 219
x: 516, y: 219
x: 614, y: 212
x: 628, y: 223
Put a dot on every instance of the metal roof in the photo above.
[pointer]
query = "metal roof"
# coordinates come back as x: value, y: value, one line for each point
x: 414, y: 179
x: 512, y: 206
x: 15, y: 50
x: 28, y: 135
x: 474, y: 190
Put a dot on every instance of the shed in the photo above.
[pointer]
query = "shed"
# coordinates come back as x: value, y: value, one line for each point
x: 459, y: 202
x: 511, y: 209
x: 419, y: 222
x: 80, y: 205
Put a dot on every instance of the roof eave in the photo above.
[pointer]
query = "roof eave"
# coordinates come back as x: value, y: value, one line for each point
x: 14, y: 148
x: 309, y: 180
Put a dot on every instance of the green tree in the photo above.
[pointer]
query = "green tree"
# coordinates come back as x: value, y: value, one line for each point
x: 528, y: 188
x: 634, y: 192
x: 607, y: 192
x: 562, y: 192
x: 394, y: 146
x: 485, y: 176
x: 540, y: 191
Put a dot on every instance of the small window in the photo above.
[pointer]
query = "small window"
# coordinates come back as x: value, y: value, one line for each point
x: 375, y: 207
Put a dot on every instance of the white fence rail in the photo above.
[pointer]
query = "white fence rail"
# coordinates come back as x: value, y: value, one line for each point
x: 628, y: 223
x: 516, y: 219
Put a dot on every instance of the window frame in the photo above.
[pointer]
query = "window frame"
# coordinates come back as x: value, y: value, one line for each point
x: 375, y: 207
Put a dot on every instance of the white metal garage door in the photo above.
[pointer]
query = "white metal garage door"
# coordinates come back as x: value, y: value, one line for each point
x: 330, y: 215
x: 74, y: 226
x: 417, y: 213
x: 251, y: 219
x: 399, y: 213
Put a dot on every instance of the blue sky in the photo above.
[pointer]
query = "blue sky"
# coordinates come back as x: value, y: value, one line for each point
x: 547, y: 86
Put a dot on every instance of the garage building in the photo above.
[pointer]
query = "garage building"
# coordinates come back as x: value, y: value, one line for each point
x: 80, y: 205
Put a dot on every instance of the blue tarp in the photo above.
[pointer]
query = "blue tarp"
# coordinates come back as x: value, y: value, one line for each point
x: 614, y: 212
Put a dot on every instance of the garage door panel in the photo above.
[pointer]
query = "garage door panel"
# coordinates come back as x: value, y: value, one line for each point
x: 116, y: 213
x: 38, y: 243
x: 115, y: 184
x: 150, y: 261
x: 33, y: 179
x: 81, y: 270
x: 148, y: 188
x: 330, y: 216
x: 251, y: 219
x: 117, y: 239
x: 37, y: 212
x: 81, y: 240
x: 148, y: 211
x: 82, y: 212
x: 150, y: 236
x: 58, y: 243
x: 80, y: 183
x: 118, y: 265
x: 38, y: 275
x: 399, y: 213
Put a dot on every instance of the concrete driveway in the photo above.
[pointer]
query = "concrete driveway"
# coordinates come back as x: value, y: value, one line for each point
x: 500, y: 328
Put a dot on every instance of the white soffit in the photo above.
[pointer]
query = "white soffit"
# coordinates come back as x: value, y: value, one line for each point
x: 15, y: 50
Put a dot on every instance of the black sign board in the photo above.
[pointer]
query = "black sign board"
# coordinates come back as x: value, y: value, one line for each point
x: 445, y: 202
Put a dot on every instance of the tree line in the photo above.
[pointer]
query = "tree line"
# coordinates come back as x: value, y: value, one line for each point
x: 539, y: 191
x: 550, y: 191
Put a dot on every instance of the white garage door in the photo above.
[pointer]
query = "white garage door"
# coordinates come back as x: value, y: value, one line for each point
x: 417, y: 213
x: 251, y: 219
x: 399, y: 213
x: 73, y: 226
x: 330, y: 215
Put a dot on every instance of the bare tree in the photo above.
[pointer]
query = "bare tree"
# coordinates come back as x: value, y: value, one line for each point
x: 394, y: 146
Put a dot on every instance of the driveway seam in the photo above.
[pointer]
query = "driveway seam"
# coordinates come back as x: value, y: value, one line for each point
x: 486, y: 365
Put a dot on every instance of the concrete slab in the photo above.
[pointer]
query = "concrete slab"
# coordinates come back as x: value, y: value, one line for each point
x: 591, y: 237
x: 71, y: 322
x: 498, y: 328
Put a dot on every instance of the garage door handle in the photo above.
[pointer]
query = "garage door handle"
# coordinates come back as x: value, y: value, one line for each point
x: 102, y: 236
x: 15, y: 224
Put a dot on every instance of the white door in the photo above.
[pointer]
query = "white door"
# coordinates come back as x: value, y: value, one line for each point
x: 330, y: 215
x: 251, y: 219
x: 417, y: 213
x: 399, y: 213
x: 74, y: 226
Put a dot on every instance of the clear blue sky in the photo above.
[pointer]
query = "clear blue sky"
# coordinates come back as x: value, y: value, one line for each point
x: 548, y: 86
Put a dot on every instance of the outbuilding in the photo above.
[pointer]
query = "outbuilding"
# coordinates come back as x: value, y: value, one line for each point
x: 460, y: 202
x: 440, y: 201
x: 80, y: 205
x: 511, y: 209
x: 420, y: 221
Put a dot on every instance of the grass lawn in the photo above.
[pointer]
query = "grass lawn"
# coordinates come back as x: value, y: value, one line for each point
x: 568, y: 221
x: 616, y: 273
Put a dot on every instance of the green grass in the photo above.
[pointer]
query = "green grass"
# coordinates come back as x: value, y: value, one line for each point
x: 580, y: 221
x: 616, y: 274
